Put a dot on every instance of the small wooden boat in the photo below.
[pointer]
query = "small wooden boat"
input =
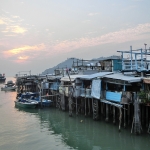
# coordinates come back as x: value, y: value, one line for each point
x: 25, y: 103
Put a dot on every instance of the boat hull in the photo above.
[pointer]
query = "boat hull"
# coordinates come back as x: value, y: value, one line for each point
x: 8, y: 88
x: 2, y: 79
x: 25, y: 105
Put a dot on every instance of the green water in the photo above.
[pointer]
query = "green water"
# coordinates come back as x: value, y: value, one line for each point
x: 52, y: 129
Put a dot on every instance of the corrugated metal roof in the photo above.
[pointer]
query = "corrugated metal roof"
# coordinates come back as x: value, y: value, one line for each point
x: 95, y: 75
x: 72, y: 77
x: 120, y: 76
x: 54, y: 77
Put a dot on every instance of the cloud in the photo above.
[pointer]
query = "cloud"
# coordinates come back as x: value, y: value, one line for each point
x: 14, y: 29
x: 40, y: 51
x: 22, y: 53
x: 17, y: 29
x: 23, y: 57
x: 15, y: 17
x: 2, y: 22
x: 122, y: 36
x: 86, y: 21
x: 27, y: 48
x: 12, y: 26
x: 93, y: 14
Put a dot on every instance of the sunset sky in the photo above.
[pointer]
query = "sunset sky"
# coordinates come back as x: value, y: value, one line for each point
x: 38, y: 34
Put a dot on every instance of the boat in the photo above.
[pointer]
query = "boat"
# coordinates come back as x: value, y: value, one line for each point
x: 2, y: 78
x: 45, y: 102
x: 23, y: 103
x: 34, y: 97
x: 9, y: 86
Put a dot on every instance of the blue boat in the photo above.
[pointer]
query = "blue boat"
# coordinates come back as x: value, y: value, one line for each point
x: 34, y: 97
x: 26, y: 103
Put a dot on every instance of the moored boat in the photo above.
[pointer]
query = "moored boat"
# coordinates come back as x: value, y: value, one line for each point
x: 9, y: 86
x: 26, y: 104
x: 2, y: 78
x: 34, y: 97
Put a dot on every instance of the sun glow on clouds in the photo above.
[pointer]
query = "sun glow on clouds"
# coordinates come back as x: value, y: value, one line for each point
x: 14, y: 29
x: 23, y: 53
x: 27, y: 52
x: 18, y: 29
x: 2, y: 21
x: 130, y: 34
x: 12, y: 26
x: 26, y: 48
x: 23, y: 57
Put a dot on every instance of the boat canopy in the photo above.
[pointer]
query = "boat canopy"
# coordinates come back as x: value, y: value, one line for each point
x: 120, y: 76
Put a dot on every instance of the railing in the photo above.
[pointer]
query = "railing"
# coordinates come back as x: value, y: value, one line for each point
x: 85, y: 92
x: 135, y: 66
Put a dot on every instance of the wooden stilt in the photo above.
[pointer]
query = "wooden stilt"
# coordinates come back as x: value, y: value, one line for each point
x: 85, y: 106
x: 62, y: 101
x: 129, y: 115
x: 76, y: 106
x: 70, y: 105
x: 147, y: 120
x: 95, y: 109
x: 89, y: 106
x: 120, y: 119
x: 114, y: 115
x: 102, y: 110
x: 136, y: 124
x: 149, y: 128
x: 107, y: 113
x: 124, y: 116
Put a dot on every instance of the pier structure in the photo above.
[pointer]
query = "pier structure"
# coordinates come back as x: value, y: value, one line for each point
x: 103, y: 64
x: 116, y: 90
x: 136, y: 63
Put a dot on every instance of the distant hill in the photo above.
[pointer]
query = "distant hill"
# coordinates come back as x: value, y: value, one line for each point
x: 65, y: 64
x: 69, y: 62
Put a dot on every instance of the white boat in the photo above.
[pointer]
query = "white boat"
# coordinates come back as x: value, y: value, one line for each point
x: 9, y: 86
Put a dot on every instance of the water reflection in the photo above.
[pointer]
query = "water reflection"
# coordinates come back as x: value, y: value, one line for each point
x: 2, y: 82
x: 34, y: 111
x: 86, y: 134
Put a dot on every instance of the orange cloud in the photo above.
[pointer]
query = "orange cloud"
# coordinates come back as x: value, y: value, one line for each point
x: 24, y: 53
x: 15, y: 29
x: 18, y: 29
x: 23, y: 57
x: 2, y: 22
x: 23, y: 49
x: 124, y: 35
x: 12, y: 26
